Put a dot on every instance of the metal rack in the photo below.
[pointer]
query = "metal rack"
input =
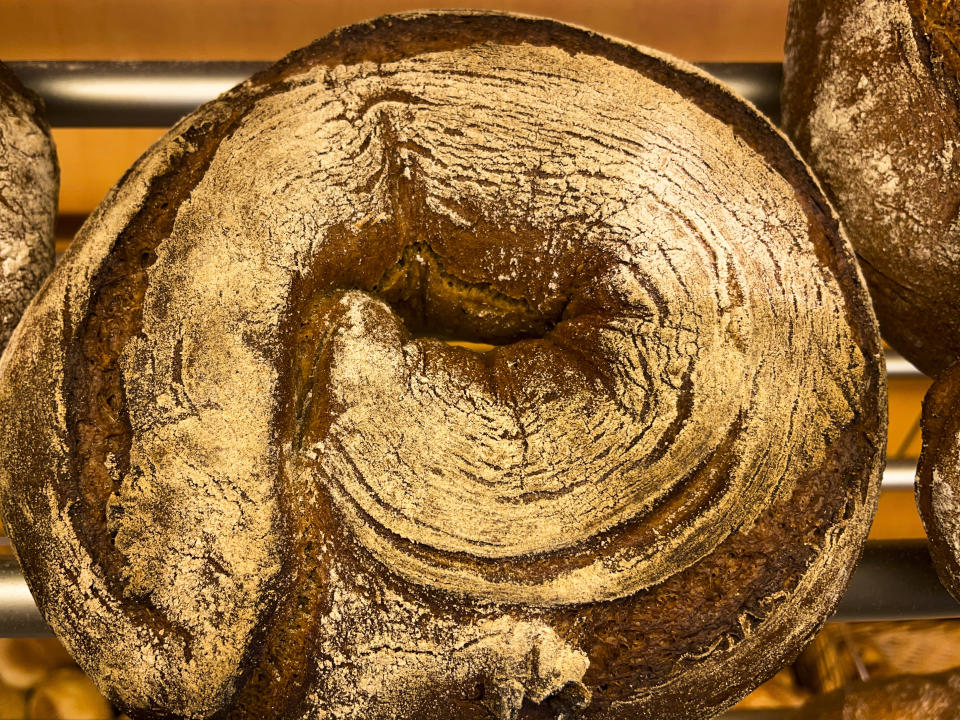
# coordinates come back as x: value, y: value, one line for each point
x: 158, y: 93
x: 895, y: 580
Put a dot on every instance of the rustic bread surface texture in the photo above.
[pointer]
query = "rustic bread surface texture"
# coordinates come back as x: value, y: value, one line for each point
x: 938, y: 476
x: 29, y: 181
x: 870, y: 97
x: 252, y: 480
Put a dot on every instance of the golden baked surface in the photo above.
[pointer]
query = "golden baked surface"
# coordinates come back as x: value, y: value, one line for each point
x: 266, y: 487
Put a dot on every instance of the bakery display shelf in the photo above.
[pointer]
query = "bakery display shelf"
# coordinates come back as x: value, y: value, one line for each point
x: 894, y: 580
x: 103, y: 94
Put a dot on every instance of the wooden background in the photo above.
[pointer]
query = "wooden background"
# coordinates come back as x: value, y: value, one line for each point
x: 262, y: 30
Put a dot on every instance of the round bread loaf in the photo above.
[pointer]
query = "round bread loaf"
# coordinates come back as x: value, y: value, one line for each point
x: 29, y: 181
x: 254, y: 481
x: 871, y: 98
x: 907, y: 697
x: 938, y: 476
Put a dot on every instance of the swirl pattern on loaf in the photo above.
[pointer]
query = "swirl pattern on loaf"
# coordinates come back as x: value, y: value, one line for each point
x: 282, y: 489
x: 938, y: 476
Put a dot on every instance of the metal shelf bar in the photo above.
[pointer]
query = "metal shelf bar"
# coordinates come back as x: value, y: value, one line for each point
x: 158, y: 93
x: 896, y: 580
x: 899, y: 367
x: 899, y: 475
x: 19, y: 616
x: 128, y: 94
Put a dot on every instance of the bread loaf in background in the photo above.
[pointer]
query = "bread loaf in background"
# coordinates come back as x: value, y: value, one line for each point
x: 29, y: 181
x: 871, y: 99
x: 254, y: 481
x: 914, y: 697
x: 40, y: 681
x: 938, y: 476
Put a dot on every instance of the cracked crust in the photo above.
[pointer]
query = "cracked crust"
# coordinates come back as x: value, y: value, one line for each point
x: 871, y: 98
x: 938, y: 476
x: 29, y: 180
x: 266, y: 486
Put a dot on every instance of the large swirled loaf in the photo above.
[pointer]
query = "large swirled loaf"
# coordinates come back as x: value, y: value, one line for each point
x: 254, y: 481
x: 29, y: 180
x: 871, y: 96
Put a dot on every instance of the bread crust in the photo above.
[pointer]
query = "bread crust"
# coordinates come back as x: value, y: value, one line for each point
x: 211, y: 522
x: 29, y: 181
x: 870, y: 97
x: 938, y: 476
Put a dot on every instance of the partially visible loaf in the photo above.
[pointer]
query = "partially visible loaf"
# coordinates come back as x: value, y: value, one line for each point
x: 938, y: 476
x: 872, y: 100
x: 29, y: 181
x: 907, y: 697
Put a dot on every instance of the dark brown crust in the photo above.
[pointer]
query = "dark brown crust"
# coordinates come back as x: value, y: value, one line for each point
x: 11, y: 83
x: 29, y: 184
x: 911, y: 297
x: 939, y: 22
x: 939, y: 466
x: 635, y: 644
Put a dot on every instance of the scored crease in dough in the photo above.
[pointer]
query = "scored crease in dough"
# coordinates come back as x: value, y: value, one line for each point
x: 265, y: 487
